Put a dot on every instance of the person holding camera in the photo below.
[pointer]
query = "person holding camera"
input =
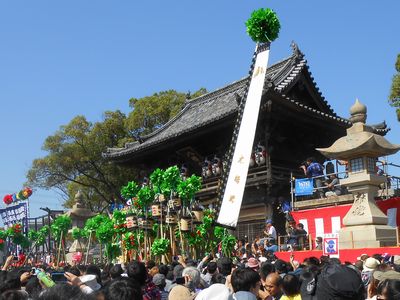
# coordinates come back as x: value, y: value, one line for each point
x: 210, y: 269
x: 315, y: 170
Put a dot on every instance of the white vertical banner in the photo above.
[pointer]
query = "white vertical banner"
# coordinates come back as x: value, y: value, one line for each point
x: 232, y: 200
x: 319, y: 227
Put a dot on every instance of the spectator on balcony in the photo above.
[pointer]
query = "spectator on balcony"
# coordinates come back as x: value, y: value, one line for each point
x: 316, y: 171
x: 318, y: 243
x: 297, y: 236
x: 333, y: 186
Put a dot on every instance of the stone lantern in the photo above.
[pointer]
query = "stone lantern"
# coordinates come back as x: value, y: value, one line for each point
x: 365, y: 224
x: 79, y: 213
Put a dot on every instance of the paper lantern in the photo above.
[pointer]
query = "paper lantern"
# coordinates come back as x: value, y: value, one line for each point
x: 8, y: 199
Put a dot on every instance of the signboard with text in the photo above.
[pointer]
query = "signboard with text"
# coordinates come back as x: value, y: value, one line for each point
x: 15, y: 214
x: 331, y: 244
x: 303, y: 187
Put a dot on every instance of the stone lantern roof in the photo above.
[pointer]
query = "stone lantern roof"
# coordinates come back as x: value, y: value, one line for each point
x: 360, y: 139
x: 79, y: 210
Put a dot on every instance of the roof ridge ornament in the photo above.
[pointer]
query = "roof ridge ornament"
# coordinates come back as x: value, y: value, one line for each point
x: 296, y: 50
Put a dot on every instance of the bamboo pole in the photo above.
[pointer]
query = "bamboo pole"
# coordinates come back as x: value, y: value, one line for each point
x: 30, y: 251
x: 59, y: 249
x: 171, y: 238
x: 161, y: 217
x: 145, y: 244
x: 181, y: 238
x: 63, y: 250
x: 82, y: 251
x: 88, y: 248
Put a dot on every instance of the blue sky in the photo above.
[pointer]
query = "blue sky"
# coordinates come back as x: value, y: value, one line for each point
x: 60, y: 59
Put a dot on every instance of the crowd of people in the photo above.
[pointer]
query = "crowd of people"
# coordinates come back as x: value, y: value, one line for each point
x: 245, y: 277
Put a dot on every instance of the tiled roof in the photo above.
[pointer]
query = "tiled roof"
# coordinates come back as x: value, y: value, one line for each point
x: 221, y: 103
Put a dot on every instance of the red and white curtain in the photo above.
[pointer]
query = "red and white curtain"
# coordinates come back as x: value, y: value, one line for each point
x: 320, y: 221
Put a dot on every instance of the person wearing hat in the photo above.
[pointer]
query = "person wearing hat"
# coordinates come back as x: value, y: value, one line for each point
x: 217, y: 291
x: 270, y: 237
x: 370, y: 265
x: 87, y: 283
x: 270, y: 231
x: 253, y: 264
x: 339, y: 282
x: 379, y: 276
x: 180, y: 292
x: 363, y: 257
x: 159, y: 281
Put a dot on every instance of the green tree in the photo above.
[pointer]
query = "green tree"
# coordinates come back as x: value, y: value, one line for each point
x: 74, y: 161
x: 151, y: 112
x: 394, y: 98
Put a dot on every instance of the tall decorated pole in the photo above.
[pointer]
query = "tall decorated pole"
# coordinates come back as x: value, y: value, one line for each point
x: 263, y: 27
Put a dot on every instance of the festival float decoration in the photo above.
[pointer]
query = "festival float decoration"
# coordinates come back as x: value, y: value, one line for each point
x: 105, y: 234
x: 90, y: 227
x: 22, y: 195
x: 160, y: 247
x: 59, y: 230
x: 263, y: 28
x: 15, y: 236
x: 38, y: 238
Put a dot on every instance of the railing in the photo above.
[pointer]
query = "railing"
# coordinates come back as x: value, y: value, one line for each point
x: 390, y: 188
x: 322, y: 189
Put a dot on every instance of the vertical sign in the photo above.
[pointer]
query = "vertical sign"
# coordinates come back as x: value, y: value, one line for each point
x: 15, y: 214
x: 331, y: 244
x: 232, y: 200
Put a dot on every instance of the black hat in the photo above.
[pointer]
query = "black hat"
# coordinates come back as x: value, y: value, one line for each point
x: 339, y: 282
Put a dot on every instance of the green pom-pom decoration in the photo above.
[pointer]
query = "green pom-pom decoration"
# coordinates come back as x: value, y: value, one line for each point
x: 60, y: 225
x: 45, y: 230
x: 171, y: 180
x: 105, y: 231
x: 188, y: 188
x: 93, y: 223
x: 156, y: 179
x: 263, y: 26
x: 78, y: 233
x: 159, y: 247
x: 113, y: 250
x: 228, y: 244
x: 130, y: 241
x: 38, y: 237
x: 145, y: 197
x: 130, y: 190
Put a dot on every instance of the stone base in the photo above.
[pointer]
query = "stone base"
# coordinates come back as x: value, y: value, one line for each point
x: 367, y: 236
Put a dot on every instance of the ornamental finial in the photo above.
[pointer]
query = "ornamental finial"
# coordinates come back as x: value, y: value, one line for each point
x: 358, y: 112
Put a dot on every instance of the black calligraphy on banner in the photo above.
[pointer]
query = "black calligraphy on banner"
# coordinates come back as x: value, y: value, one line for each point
x: 15, y: 214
